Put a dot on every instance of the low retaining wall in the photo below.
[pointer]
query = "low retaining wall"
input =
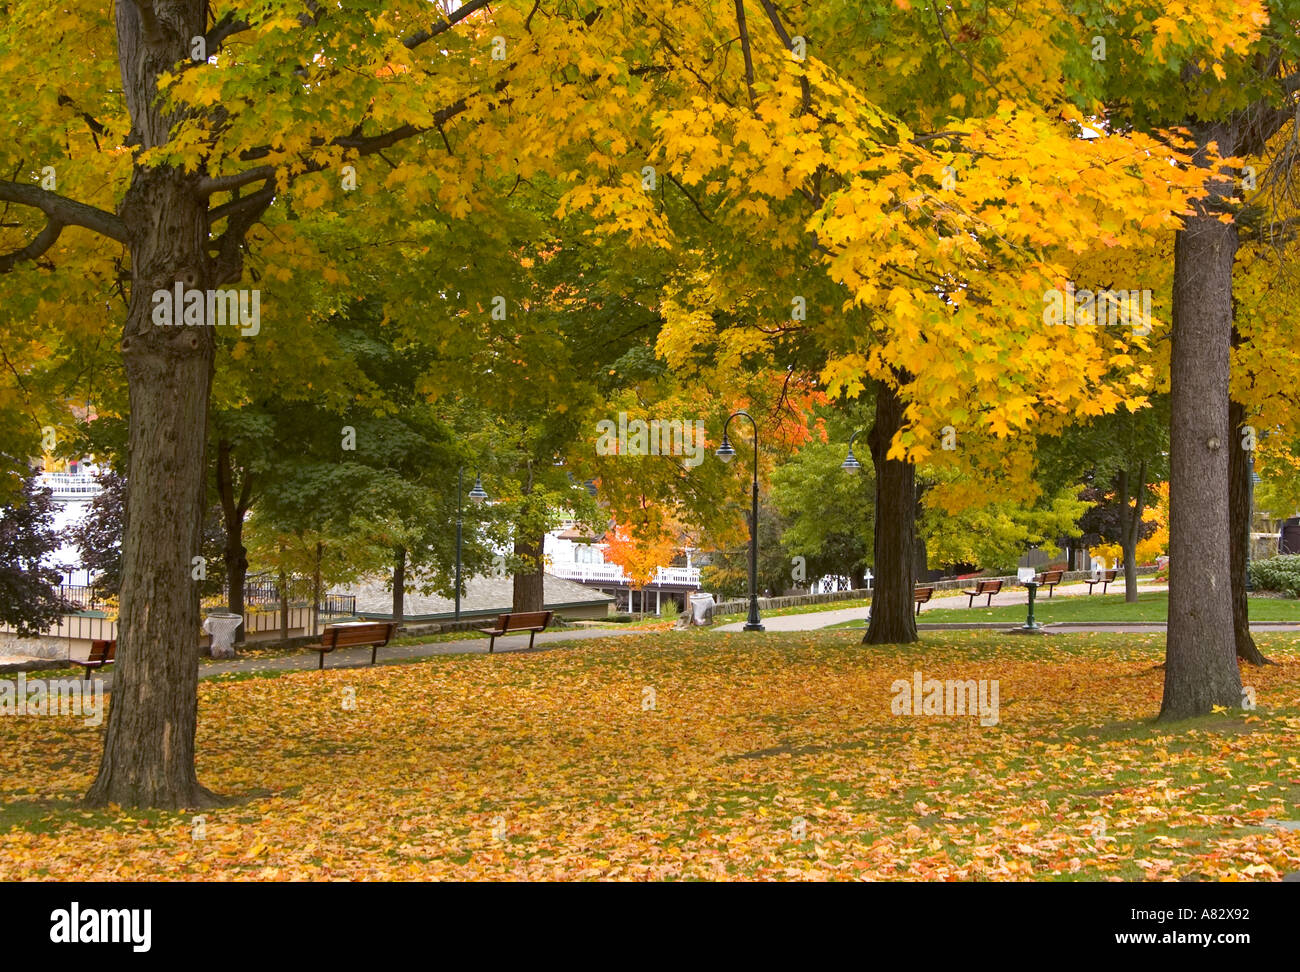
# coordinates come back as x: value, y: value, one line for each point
x: 741, y: 605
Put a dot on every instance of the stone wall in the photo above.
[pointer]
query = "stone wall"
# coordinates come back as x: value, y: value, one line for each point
x: 43, y: 647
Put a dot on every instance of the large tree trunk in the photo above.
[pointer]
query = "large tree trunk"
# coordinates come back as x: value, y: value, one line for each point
x: 316, y: 589
x: 233, y: 510
x: 284, y: 601
x: 148, y: 755
x: 1131, y: 528
x: 1200, y: 653
x: 399, y: 584
x: 528, y: 592
x: 893, y: 619
x: 1239, y: 517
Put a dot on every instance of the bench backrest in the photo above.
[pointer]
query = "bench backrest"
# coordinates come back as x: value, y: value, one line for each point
x: 922, y: 592
x: 1053, y: 576
x: 1108, y: 575
x: 990, y: 586
x: 344, y: 635
x: 534, y: 619
x: 102, y: 651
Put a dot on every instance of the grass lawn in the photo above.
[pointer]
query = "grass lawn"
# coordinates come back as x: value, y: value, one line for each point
x: 1150, y: 606
x: 770, y: 756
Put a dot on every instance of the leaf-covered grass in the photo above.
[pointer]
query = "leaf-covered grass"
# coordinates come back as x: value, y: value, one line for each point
x: 764, y: 756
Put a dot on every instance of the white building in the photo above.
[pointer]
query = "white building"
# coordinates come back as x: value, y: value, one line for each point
x: 71, y: 492
x: 576, y: 554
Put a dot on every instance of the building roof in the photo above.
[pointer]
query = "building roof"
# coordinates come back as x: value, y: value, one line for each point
x: 483, y: 596
x: 579, y: 534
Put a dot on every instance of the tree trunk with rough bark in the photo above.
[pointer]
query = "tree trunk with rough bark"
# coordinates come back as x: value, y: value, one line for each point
x: 148, y: 757
x: 399, y: 584
x: 284, y: 602
x: 1200, y: 654
x: 893, y: 618
x: 233, y: 511
x: 1239, y: 515
x: 316, y: 589
x: 1131, y: 528
x: 529, y: 595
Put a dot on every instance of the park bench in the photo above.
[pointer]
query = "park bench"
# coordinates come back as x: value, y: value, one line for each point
x: 921, y: 595
x: 1049, y: 579
x: 517, y: 624
x: 101, y: 653
x: 989, y: 587
x: 356, y: 634
x: 1103, y: 579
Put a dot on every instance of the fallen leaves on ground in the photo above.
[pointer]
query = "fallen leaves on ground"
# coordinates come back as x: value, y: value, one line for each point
x: 693, y: 756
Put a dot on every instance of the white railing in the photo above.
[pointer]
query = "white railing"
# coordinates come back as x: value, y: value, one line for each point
x: 678, y: 575
x: 613, y: 574
x: 70, y: 485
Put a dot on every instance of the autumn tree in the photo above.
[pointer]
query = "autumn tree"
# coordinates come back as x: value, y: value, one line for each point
x: 905, y: 232
x: 151, y: 164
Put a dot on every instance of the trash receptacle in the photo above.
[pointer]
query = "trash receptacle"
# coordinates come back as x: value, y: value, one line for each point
x: 701, y: 609
x: 222, y: 626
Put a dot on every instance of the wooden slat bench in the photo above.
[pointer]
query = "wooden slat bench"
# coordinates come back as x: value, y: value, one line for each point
x: 921, y: 595
x: 989, y: 587
x: 367, y: 634
x: 1106, y: 577
x: 1049, y: 579
x: 101, y: 653
x: 517, y: 624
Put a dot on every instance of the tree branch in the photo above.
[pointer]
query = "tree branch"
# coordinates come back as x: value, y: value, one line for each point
x: 236, y: 206
x: 775, y: 17
x: 33, y: 250
x: 64, y: 211
x: 228, y: 26
x: 744, y: 46
x: 461, y: 12
x: 242, y: 214
x: 213, y: 184
x: 694, y: 202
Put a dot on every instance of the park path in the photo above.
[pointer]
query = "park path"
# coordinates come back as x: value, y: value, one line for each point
x: 360, y: 657
x: 1014, y: 595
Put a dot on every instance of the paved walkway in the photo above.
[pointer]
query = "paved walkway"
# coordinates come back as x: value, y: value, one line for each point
x: 360, y: 657
x: 1013, y: 595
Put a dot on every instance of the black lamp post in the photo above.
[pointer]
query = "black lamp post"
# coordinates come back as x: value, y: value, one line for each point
x: 851, y: 463
x: 478, y: 495
x: 726, y: 453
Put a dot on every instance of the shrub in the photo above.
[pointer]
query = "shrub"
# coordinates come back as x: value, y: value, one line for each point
x: 1281, y: 574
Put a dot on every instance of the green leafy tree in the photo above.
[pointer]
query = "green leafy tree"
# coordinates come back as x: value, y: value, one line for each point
x: 829, y: 511
x: 29, y: 597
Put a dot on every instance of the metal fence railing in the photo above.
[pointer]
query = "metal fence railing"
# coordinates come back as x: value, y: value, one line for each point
x: 339, y: 605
